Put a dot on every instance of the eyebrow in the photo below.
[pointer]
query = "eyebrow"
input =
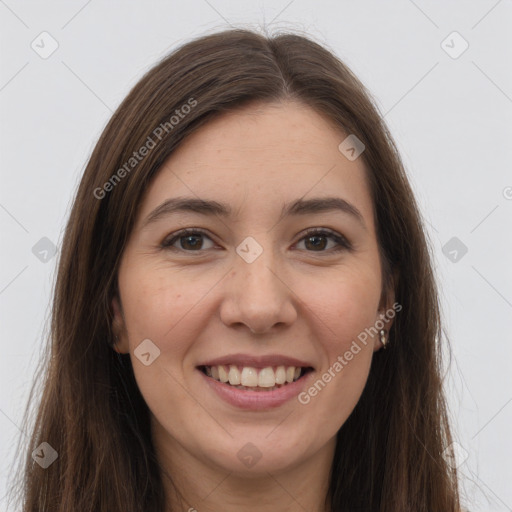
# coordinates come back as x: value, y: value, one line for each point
x: 210, y: 207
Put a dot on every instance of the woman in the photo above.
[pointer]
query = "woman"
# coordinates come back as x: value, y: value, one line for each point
x: 245, y: 315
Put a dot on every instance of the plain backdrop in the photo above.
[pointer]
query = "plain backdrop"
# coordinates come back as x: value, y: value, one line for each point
x: 449, y: 109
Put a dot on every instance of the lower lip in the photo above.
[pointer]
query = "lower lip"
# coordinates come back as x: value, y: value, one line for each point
x: 257, y: 400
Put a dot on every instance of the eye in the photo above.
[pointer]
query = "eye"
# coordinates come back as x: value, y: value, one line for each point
x: 189, y: 240
x: 315, y: 239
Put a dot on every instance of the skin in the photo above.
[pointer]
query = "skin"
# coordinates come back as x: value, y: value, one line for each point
x: 294, y: 299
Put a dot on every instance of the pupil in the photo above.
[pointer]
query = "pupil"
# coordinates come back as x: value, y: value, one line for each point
x: 316, y: 244
x: 193, y: 244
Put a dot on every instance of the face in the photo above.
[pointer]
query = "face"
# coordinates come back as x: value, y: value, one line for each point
x: 269, y: 276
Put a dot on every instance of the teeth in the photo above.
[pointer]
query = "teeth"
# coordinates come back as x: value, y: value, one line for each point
x: 223, y: 374
x: 249, y: 377
x: 234, y: 375
x: 280, y: 375
x: 267, y: 378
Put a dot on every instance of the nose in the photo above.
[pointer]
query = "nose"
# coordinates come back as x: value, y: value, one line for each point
x: 258, y: 296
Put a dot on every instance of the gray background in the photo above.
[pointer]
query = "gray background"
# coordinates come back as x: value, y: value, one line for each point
x: 450, y: 117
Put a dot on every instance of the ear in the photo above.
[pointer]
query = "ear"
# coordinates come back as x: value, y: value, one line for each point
x: 119, y: 328
x: 388, y: 308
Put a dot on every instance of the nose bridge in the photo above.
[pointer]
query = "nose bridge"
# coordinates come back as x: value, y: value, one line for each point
x: 259, y: 274
x: 257, y: 297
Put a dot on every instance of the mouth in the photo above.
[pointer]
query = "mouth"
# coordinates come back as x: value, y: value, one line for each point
x: 248, y: 378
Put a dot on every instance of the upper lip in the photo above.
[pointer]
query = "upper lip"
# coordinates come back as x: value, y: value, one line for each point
x: 257, y: 361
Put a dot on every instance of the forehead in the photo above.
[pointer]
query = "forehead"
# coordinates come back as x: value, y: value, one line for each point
x: 262, y: 156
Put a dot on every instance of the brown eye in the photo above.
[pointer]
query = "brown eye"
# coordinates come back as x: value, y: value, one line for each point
x: 189, y: 240
x: 317, y: 241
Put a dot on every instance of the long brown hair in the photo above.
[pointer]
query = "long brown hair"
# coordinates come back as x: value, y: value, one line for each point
x: 389, y: 454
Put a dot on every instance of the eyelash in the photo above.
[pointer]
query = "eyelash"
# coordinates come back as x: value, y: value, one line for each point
x: 343, y: 243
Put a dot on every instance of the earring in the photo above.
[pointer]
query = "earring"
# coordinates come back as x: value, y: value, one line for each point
x: 383, y: 339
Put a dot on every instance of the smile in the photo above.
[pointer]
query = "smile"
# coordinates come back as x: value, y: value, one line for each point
x: 255, y: 379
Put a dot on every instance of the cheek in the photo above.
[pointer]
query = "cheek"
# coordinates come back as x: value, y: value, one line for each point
x: 345, y: 312
x: 158, y: 302
x: 347, y: 306
x: 162, y: 306
x: 165, y: 307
